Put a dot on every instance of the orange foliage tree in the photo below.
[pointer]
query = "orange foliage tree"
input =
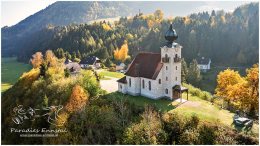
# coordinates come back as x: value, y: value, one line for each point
x: 242, y: 92
x: 37, y: 59
x: 77, y: 100
x: 121, y: 54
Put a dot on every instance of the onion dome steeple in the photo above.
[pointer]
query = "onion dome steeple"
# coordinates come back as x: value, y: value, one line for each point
x: 171, y: 35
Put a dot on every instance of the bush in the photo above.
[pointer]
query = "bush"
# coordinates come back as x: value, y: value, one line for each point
x: 148, y: 131
x: 189, y: 137
x: 199, y: 93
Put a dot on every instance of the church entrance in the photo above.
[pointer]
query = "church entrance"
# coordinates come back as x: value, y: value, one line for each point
x: 176, y: 94
x: 177, y: 91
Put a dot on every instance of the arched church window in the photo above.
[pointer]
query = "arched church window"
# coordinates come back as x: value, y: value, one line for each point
x: 159, y: 81
x: 143, y: 83
x: 149, y: 85
x: 129, y: 82
x: 166, y: 91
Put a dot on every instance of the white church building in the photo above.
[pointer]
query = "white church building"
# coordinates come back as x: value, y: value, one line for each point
x: 155, y: 75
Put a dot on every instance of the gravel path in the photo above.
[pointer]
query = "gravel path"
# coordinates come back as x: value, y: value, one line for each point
x: 109, y: 85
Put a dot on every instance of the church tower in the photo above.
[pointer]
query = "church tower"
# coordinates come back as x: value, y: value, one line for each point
x: 171, y: 59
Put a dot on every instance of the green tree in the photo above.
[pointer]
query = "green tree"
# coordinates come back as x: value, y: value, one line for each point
x: 194, y: 73
x: 184, y: 71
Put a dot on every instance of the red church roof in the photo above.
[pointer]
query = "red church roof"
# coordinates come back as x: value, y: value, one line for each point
x: 146, y: 65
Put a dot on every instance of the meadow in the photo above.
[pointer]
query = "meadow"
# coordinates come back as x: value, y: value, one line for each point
x: 11, y: 70
x: 205, y: 110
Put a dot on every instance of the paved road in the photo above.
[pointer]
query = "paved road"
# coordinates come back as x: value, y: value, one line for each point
x: 109, y: 85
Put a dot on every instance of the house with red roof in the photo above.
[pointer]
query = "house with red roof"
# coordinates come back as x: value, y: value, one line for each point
x: 155, y: 75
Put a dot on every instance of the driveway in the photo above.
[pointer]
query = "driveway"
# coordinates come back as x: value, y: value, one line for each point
x: 109, y: 85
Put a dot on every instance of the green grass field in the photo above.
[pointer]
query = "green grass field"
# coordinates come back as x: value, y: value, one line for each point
x: 111, y: 74
x: 202, y: 108
x: 11, y: 70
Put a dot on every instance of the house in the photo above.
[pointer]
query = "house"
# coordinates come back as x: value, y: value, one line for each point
x: 67, y: 61
x: 90, y: 61
x: 73, y: 67
x: 155, y: 75
x: 121, y: 66
x: 204, y: 64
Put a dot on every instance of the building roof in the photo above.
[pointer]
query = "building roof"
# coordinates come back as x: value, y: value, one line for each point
x: 73, y: 67
x: 146, y: 65
x: 203, y: 60
x: 122, y: 80
x: 89, y: 60
x: 179, y: 88
x: 67, y: 61
x: 171, y: 34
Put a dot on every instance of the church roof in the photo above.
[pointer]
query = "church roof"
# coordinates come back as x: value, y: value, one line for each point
x: 146, y: 65
x: 122, y: 80
x: 171, y: 34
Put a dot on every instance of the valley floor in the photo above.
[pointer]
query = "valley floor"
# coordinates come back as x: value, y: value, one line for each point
x: 11, y: 70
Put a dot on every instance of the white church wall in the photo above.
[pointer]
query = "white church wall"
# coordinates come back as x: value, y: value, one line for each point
x: 156, y: 88
x: 134, y: 89
x: 122, y: 88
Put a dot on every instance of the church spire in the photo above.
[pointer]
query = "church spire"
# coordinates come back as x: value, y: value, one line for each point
x: 171, y: 35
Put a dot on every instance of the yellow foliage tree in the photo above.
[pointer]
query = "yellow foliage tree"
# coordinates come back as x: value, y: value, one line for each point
x: 106, y: 27
x: 121, y: 54
x: 225, y: 79
x: 37, y: 59
x: 158, y: 14
x: 116, y: 54
x: 50, y: 58
x: 242, y: 92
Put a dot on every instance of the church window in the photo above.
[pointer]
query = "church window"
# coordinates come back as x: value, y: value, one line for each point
x: 143, y: 83
x: 159, y: 81
x: 176, y: 67
x: 166, y: 67
x: 166, y: 78
x: 149, y: 85
x: 120, y: 86
x: 129, y: 82
x: 176, y: 78
x: 166, y: 91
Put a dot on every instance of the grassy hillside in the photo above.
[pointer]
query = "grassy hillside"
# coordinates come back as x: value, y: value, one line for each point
x: 11, y: 71
x: 205, y: 110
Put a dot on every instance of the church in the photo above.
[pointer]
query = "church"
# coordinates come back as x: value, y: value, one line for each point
x: 156, y: 75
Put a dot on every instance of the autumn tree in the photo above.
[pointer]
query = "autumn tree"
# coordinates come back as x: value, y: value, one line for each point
x: 241, y: 92
x: 50, y: 58
x: 158, y: 14
x: 37, y: 59
x: 252, y: 79
x: 77, y: 100
x: 122, y: 53
x: 225, y: 80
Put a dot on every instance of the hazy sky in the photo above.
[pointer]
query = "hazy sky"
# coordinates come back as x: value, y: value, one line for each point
x: 13, y: 12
